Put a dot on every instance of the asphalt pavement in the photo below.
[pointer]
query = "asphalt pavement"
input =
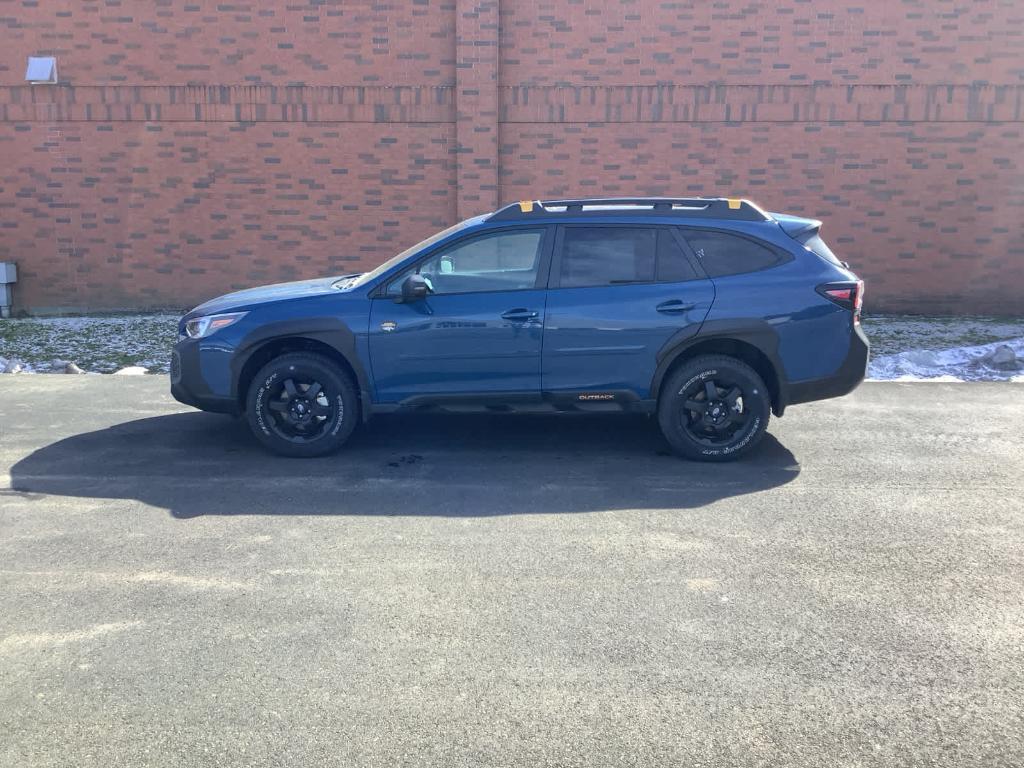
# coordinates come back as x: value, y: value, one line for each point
x: 510, y: 591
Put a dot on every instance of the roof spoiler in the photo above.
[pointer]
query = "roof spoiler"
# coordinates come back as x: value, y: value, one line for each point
x: 802, y: 230
x: 797, y: 227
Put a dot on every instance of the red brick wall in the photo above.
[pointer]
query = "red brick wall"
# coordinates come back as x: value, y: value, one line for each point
x: 140, y: 214
x: 233, y: 42
x: 649, y: 42
x: 198, y: 146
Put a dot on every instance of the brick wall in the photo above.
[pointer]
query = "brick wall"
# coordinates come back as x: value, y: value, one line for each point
x: 198, y: 146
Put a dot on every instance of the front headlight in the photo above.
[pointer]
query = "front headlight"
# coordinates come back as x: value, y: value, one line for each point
x: 200, y: 327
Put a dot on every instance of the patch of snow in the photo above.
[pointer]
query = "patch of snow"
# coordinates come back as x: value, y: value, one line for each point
x: 906, y: 377
x: 10, y: 366
x: 997, y: 361
x: 92, y: 344
x: 131, y: 370
x: 890, y: 334
x: 15, y: 365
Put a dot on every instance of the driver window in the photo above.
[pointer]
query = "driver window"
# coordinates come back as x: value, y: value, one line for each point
x: 504, y: 261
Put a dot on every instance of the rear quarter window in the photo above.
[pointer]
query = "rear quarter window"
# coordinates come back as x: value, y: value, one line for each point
x: 722, y: 253
x: 818, y: 246
x: 673, y: 265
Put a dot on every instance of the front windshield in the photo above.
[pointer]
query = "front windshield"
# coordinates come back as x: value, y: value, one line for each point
x: 394, y: 261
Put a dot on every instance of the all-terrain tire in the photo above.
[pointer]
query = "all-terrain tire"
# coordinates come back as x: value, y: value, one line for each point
x: 714, y: 408
x: 302, y: 405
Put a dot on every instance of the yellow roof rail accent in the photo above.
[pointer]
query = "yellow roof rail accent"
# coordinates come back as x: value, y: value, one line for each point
x: 734, y: 203
x: 526, y: 206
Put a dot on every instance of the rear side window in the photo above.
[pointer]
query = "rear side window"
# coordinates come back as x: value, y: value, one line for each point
x: 724, y: 254
x: 607, y: 256
x: 819, y: 247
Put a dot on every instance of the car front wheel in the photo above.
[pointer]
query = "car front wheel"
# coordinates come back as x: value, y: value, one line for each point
x: 302, y: 405
x: 714, y: 408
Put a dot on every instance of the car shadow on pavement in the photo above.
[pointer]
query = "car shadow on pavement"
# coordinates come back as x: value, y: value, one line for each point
x: 196, y: 464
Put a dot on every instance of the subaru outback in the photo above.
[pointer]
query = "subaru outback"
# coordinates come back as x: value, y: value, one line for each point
x: 708, y: 313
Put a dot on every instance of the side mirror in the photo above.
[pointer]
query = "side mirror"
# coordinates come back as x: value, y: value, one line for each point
x: 414, y: 288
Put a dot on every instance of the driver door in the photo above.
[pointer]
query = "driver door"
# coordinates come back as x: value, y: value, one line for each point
x: 479, y: 330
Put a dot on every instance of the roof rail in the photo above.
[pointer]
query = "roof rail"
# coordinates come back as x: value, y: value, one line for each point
x: 697, y: 207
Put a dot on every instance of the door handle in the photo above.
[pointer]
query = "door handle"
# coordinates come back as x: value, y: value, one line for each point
x: 520, y: 315
x: 674, y: 306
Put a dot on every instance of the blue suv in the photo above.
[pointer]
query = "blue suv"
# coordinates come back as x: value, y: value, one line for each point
x: 707, y: 312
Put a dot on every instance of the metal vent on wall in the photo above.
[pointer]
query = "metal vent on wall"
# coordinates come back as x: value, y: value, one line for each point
x: 41, y: 70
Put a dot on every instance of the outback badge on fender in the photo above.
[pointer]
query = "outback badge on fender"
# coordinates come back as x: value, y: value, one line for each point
x: 388, y: 326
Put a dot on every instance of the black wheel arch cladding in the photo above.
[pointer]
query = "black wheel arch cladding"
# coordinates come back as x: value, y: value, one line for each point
x: 328, y: 331
x: 755, y: 333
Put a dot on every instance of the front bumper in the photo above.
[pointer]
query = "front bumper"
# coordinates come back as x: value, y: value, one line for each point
x: 846, y: 379
x: 188, y: 385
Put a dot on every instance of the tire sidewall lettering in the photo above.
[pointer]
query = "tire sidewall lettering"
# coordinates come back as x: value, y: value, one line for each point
x: 340, y: 419
x: 738, y: 446
x: 261, y: 396
x: 699, y: 377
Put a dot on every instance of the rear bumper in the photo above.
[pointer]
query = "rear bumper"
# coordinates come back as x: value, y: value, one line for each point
x: 846, y: 379
x: 188, y: 385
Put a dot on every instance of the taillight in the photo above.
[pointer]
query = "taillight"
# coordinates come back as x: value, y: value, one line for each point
x: 848, y: 295
x: 841, y: 295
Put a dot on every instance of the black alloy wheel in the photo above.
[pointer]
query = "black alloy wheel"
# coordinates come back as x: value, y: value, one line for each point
x: 299, y: 408
x: 714, y: 408
x: 713, y: 411
x: 302, y: 404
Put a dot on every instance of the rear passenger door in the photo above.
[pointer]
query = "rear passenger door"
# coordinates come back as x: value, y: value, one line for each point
x: 617, y: 294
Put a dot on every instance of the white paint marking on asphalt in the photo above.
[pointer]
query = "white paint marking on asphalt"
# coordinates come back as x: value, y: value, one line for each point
x: 144, y: 577
x: 36, y: 640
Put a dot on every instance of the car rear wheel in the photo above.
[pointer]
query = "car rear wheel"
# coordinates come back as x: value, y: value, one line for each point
x: 302, y: 405
x: 714, y: 408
